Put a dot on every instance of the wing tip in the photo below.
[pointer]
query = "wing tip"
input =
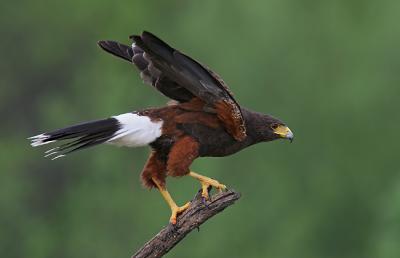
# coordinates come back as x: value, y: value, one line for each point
x: 102, y: 44
x: 117, y: 49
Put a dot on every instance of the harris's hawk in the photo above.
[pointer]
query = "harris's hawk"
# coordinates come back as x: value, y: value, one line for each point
x: 204, y: 119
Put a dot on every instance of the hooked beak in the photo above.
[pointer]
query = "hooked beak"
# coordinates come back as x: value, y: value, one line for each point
x: 284, y: 132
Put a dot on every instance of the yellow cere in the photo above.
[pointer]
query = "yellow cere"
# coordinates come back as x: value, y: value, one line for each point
x: 283, y: 131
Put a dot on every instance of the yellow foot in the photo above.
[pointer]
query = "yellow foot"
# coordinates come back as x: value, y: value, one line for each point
x: 207, y: 182
x: 176, y: 211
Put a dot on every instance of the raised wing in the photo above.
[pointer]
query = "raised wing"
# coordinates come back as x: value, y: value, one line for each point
x: 148, y: 73
x: 181, y: 78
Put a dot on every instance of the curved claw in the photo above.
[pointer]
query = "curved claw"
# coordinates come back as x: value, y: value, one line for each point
x: 204, y: 201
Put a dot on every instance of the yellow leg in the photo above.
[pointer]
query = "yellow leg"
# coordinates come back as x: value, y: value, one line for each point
x: 175, y: 210
x: 206, y: 182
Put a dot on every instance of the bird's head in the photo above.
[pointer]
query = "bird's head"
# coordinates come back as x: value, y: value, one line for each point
x: 279, y: 130
x: 267, y: 128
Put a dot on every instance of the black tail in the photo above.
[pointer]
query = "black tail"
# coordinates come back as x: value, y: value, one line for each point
x: 81, y: 136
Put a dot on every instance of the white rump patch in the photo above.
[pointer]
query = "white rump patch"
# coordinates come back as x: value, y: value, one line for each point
x: 135, y: 130
x: 39, y: 140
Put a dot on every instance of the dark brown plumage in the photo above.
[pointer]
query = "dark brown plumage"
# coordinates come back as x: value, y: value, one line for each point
x: 204, y: 121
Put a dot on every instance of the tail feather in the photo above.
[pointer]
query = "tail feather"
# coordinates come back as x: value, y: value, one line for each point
x: 82, y: 136
x: 129, y: 129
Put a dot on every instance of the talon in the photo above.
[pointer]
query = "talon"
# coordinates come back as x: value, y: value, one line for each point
x: 213, y: 183
x: 204, y: 192
x: 204, y: 201
x: 176, y: 211
x: 207, y: 182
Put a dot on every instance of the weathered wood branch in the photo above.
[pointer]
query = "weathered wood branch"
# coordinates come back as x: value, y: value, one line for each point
x: 192, y: 218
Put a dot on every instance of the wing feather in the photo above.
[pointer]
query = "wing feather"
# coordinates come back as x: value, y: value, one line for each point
x: 181, y: 78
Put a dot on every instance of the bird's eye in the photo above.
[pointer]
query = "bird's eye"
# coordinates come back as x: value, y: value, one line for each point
x: 274, y: 126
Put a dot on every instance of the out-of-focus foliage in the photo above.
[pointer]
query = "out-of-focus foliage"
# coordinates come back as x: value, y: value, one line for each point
x: 329, y: 69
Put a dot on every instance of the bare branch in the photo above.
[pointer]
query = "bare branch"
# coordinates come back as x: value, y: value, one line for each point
x: 192, y: 218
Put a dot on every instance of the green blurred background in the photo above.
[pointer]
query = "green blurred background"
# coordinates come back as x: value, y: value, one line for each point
x: 329, y: 69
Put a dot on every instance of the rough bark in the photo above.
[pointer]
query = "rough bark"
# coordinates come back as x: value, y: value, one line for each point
x: 192, y: 218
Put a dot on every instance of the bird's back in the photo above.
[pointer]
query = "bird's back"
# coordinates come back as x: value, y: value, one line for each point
x: 188, y: 120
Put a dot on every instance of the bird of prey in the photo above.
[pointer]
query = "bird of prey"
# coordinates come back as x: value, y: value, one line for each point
x: 202, y: 120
